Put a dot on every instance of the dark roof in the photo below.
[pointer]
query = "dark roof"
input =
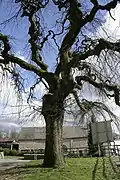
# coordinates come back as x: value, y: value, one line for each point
x: 39, y: 132
x: 2, y: 140
x: 74, y: 132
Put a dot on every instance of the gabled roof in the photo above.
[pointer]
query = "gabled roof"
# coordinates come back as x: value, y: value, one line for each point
x: 74, y: 132
x: 39, y: 132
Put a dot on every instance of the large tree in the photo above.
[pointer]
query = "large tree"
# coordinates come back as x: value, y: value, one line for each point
x: 76, y: 50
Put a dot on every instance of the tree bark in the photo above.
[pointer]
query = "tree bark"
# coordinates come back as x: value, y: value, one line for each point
x: 53, y: 114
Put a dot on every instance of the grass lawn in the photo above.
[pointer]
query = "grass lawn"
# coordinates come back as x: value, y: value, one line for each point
x: 13, y: 157
x: 76, y: 169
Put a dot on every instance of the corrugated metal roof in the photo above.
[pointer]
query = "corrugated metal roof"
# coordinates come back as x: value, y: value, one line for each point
x: 39, y: 132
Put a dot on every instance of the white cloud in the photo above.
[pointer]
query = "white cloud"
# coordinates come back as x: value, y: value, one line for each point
x: 111, y: 31
x: 111, y: 28
x: 16, y: 111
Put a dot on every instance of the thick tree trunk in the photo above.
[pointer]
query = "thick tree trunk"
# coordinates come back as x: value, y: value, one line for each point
x: 53, y: 114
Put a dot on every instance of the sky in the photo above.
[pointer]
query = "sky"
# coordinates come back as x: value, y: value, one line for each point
x: 9, y: 105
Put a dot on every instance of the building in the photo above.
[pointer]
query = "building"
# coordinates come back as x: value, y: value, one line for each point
x: 33, y: 138
x: 8, y: 144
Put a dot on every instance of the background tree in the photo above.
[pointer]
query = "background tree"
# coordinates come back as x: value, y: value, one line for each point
x: 76, y: 50
x: 4, y: 134
x: 13, y: 134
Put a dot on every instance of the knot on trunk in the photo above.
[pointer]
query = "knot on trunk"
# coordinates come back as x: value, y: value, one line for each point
x: 51, y: 107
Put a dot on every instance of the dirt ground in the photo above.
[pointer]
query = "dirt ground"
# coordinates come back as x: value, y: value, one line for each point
x: 14, y: 173
x: 11, y: 169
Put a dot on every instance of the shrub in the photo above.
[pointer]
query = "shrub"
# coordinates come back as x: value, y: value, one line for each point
x: 6, y: 152
x: 72, y: 155
x: 9, y: 152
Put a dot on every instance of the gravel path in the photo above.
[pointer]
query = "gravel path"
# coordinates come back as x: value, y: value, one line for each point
x: 10, y: 163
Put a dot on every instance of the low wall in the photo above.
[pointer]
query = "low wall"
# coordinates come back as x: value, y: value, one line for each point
x: 33, y: 156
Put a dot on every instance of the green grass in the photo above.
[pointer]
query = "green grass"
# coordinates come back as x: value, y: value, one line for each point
x: 76, y: 169
x: 13, y: 157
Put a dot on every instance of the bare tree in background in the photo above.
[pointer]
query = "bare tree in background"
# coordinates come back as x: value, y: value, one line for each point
x: 76, y: 51
x: 13, y: 134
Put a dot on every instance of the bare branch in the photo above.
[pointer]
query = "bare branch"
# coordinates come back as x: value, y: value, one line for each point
x: 94, y: 2
x: 6, y: 58
x: 21, y: 63
x: 34, y: 32
x: 96, y: 7
x: 101, y: 44
x: 75, y: 15
x: 101, y: 86
x: 74, y: 92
